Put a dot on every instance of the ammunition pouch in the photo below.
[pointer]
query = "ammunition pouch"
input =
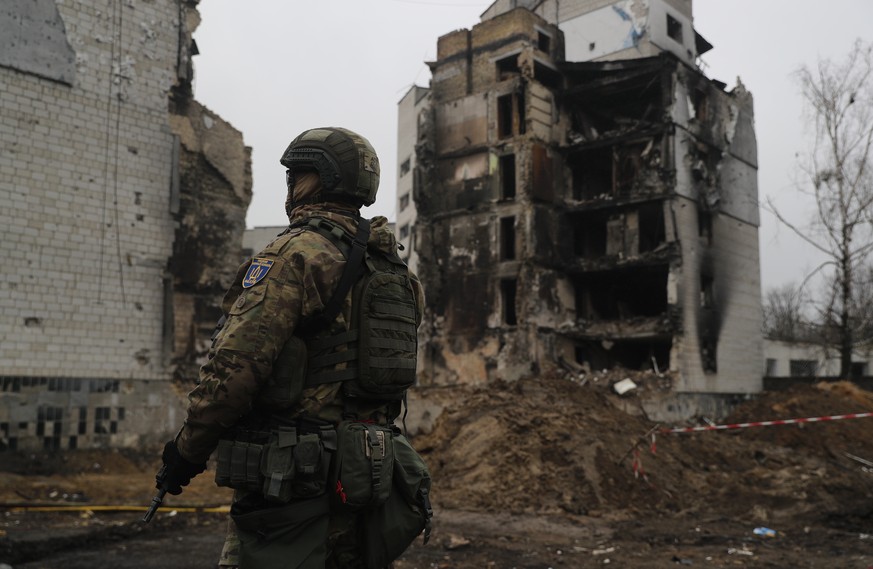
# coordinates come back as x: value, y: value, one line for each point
x: 290, y: 464
x: 238, y: 461
x: 363, y: 467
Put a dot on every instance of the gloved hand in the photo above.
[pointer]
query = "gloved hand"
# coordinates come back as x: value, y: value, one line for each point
x: 177, y: 471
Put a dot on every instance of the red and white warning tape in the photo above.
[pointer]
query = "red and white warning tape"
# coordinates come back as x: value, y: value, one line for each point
x: 765, y: 423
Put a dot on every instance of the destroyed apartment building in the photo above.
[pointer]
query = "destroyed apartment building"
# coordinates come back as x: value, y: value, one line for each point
x: 586, y: 214
x: 124, y: 203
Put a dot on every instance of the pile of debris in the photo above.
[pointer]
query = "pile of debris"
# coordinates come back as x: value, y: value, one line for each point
x: 553, y: 446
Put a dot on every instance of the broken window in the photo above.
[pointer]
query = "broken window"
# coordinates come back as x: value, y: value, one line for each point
x: 674, y: 29
x: 547, y: 75
x: 701, y: 104
x: 508, y: 292
x: 626, y: 233
x: 706, y: 295
x: 858, y: 369
x: 507, y: 238
x: 638, y: 354
x: 802, y: 368
x: 620, y: 171
x: 405, y: 166
x: 592, y: 174
x: 708, y: 354
x: 704, y: 226
x: 622, y: 294
x: 652, y: 230
x: 507, y: 176
x: 504, y: 116
x: 510, y: 115
x: 404, y: 201
x: 542, y: 186
x: 544, y: 42
x: 629, y: 164
x: 589, y: 236
x: 770, y: 367
x: 507, y: 67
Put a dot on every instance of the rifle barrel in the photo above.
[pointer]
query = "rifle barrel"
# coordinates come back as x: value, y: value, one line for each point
x: 156, y: 503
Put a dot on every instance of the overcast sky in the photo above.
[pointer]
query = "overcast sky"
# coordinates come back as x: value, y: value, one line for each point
x: 274, y: 68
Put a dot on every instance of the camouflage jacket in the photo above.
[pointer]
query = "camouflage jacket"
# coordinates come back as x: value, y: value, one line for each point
x: 302, y: 271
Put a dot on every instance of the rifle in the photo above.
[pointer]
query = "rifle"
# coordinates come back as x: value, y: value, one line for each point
x: 159, y: 497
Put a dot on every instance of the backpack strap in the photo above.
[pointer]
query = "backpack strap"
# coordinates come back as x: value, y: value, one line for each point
x: 351, y: 272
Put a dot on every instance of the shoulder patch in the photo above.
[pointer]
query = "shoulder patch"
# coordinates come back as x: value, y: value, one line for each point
x: 257, y: 271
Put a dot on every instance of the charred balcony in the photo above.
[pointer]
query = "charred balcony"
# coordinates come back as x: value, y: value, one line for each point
x: 639, y: 354
x: 620, y: 170
x: 609, y: 99
x: 624, y: 293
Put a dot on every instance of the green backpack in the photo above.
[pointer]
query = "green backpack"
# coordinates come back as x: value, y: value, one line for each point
x: 380, y: 347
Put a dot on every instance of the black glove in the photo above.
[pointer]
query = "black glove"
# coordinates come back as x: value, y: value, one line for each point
x: 177, y: 471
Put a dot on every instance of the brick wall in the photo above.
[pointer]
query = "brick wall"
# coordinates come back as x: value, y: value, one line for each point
x: 86, y: 175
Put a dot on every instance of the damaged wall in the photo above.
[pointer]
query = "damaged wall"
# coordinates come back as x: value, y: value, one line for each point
x: 592, y: 214
x: 600, y: 30
x: 93, y: 188
x: 488, y: 91
x: 215, y: 190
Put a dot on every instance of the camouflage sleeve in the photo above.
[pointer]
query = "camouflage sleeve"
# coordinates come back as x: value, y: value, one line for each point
x: 293, y: 282
x: 259, y: 322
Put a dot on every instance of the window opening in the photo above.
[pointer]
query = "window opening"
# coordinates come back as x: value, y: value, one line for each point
x: 706, y: 294
x: 592, y: 174
x: 404, y: 201
x: 507, y: 67
x: 674, y: 29
x: 504, y: 116
x: 404, y: 231
x: 652, y: 229
x: 803, y: 368
x: 544, y: 42
x: 620, y: 295
x: 405, y: 166
x: 507, y: 177
x: 704, y: 226
x: 507, y: 238
x: 508, y: 292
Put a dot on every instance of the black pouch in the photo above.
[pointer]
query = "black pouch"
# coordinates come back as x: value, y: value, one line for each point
x: 364, y: 465
x: 390, y: 529
x: 282, y: 536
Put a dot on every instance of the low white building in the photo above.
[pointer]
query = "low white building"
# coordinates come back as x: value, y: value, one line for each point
x: 810, y: 359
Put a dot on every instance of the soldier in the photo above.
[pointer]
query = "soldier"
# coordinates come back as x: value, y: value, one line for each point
x: 306, y: 375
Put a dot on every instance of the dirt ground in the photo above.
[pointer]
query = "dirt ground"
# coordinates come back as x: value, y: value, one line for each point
x: 534, y: 474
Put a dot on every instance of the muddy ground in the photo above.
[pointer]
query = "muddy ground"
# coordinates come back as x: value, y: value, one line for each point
x: 534, y: 474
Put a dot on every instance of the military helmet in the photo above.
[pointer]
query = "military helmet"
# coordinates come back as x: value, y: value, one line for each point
x: 345, y: 161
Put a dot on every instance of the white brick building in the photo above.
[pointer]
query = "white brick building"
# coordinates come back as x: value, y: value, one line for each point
x: 89, y: 181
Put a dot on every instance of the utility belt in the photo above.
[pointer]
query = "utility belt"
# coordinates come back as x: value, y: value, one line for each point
x: 354, y: 461
x: 353, y: 467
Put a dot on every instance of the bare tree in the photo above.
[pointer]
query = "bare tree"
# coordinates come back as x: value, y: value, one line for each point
x: 784, y: 314
x: 839, y: 98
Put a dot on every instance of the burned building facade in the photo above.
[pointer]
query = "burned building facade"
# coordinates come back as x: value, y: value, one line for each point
x: 590, y: 214
x: 123, y: 210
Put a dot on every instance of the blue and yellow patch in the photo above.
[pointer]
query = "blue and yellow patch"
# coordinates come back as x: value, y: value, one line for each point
x: 257, y: 271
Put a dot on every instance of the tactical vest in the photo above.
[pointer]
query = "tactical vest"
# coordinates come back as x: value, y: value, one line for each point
x: 375, y: 358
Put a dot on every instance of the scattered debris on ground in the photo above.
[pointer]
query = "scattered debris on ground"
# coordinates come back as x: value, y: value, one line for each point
x: 528, y: 474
